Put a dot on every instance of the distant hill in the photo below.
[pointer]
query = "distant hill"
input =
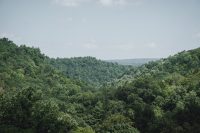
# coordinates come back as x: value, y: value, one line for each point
x: 182, y: 63
x: 133, y: 62
x: 89, y: 69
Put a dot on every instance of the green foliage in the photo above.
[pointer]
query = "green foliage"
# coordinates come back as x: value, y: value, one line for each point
x: 38, y: 94
x: 83, y: 130
x: 89, y: 69
x: 118, y: 123
x: 48, y: 118
x: 164, y: 94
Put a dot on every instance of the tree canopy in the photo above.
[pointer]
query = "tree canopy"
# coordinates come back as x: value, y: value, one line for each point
x: 39, y: 94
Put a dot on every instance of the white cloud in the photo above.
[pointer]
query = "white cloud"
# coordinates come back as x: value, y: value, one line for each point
x: 69, y: 19
x: 90, y: 44
x: 106, y: 3
x: 125, y: 47
x: 137, y: 2
x: 69, y: 3
x: 113, y: 2
x: 110, y: 3
x: 152, y: 45
x: 121, y: 2
x: 198, y: 35
x: 119, y: 46
x: 84, y: 20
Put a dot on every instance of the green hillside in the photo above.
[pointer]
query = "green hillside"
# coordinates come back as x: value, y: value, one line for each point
x: 183, y: 63
x: 34, y: 97
x: 39, y: 94
x: 89, y: 69
x: 164, y: 94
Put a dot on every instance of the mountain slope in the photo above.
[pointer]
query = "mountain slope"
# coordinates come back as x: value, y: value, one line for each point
x: 184, y: 63
x: 89, y: 69
x: 158, y: 97
x: 164, y: 94
x: 24, y: 67
x: 34, y: 97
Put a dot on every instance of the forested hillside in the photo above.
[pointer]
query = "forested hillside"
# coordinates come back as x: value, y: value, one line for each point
x: 164, y: 95
x: 34, y: 97
x: 89, y: 69
x: 184, y: 63
x: 158, y: 97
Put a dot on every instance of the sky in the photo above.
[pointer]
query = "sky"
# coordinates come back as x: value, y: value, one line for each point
x: 105, y: 29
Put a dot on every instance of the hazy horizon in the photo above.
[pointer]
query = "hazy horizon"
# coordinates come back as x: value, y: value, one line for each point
x: 105, y: 29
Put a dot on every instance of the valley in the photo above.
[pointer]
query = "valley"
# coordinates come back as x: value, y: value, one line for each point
x: 87, y: 95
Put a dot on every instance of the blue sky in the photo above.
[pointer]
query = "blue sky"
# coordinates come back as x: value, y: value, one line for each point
x: 106, y: 29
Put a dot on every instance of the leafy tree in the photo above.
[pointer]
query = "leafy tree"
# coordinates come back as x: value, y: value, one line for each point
x: 39, y: 94
x: 118, y: 123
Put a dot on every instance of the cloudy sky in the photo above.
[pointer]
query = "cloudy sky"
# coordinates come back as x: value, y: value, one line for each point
x: 106, y: 29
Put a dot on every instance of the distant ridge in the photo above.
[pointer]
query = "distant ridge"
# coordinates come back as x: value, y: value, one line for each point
x: 133, y: 62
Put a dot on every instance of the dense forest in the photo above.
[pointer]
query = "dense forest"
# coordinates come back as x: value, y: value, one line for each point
x: 88, y: 69
x: 41, y: 94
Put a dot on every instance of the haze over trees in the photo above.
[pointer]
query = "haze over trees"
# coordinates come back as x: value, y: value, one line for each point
x: 40, y: 94
x: 133, y: 62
